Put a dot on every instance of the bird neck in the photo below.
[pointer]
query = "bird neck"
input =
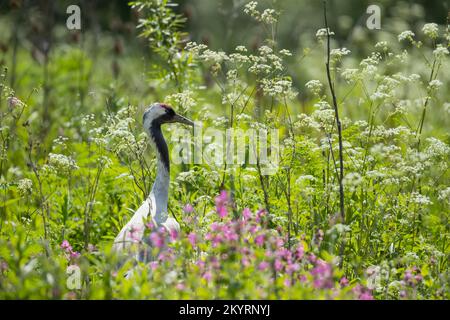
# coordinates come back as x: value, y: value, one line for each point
x: 160, y: 189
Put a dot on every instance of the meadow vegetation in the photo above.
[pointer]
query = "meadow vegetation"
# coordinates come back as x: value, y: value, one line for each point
x: 74, y: 161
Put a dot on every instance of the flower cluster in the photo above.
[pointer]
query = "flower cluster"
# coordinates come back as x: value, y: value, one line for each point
x: 71, y: 255
x: 25, y: 187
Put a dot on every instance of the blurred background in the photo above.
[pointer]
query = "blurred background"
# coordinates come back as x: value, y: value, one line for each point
x: 107, y: 61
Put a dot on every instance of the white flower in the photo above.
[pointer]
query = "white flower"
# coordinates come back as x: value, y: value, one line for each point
x: 431, y: 30
x: 406, y: 35
x: 250, y: 9
x: 337, y: 54
x: 183, y: 99
x: 315, y: 86
x: 268, y: 16
x: 285, y: 52
x: 350, y: 75
x: 241, y: 49
x: 434, y: 84
x: 444, y: 195
x: 61, y: 163
x: 382, y: 45
x: 440, y: 51
x: 25, y: 187
x: 447, y: 107
x: 420, y: 199
x: 322, y: 33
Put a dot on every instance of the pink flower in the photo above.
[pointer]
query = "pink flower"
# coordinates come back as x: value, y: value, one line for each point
x: 299, y: 252
x: 343, y: 282
x: 246, y: 213
x: 188, y: 208
x: 259, y: 240
x: 157, y: 240
x: 135, y: 233
x: 287, y: 282
x: 207, y: 276
x: 365, y: 296
x: 215, y: 226
x: 74, y: 255
x: 150, y: 225
x: 222, y: 211
x: 153, y: 265
x: 312, y: 258
x: 201, y: 264
x: 245, y: 262
x: 221, y: 203
x: 192, y: 237
x: 263, y: 266
x: 278, y: 265
x: 180, y: 286
x: 260, y: 214
x: 173, y: 234
x: 291, y: 268
x: 222, y: 198
x: 65, y: 245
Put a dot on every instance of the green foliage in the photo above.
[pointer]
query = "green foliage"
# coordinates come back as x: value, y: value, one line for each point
x: 74, y: 166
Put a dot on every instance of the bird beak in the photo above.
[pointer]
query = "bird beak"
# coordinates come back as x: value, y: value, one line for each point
x: 181, y: 119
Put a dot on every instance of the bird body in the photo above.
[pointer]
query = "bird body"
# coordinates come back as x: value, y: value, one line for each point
x: 154, y: 208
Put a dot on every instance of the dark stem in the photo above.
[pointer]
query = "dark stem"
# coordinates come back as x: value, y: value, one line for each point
x: 338, y: 121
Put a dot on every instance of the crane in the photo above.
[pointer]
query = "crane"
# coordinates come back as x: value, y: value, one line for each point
x: 155, y: 206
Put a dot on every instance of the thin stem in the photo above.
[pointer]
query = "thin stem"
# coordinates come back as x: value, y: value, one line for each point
x: 338, y: 121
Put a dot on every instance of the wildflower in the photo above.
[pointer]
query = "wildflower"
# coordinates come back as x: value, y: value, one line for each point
x: 292, y: 267
x: 299, y: 252
x: 180, y: 286
x: 154, y: 265
x: 207, y: 276
x: 285, y: 52
x: 343, y: 282
x: 221, y: 202
x: 315, y: 86
x: 250, y: 9
x: 269, y: 16
x: 322, y: 33
x: 434, y: 84
x: 337, y: 54
x: 192, y: 237
x: 440, y: 51
x: 25, y: 187
x: 74, y: 255
x: 406, y: 35
x: 157, y: 240
x: 65, y: 245
x: 188, y: 208
x: 263, y: 266
x: 134, y: 233
x: 14, y: 102
x: 278, y: 265
x: 62, y: 163
x: 259, y: 240
x: 431, y: 30
x: 173, y: 235
x: 246, y: 213
x: 260, y: 214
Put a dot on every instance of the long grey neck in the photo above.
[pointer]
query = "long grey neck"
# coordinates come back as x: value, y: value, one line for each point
x: 160, y: 189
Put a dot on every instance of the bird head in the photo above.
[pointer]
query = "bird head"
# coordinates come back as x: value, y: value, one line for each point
x: 160, y: 113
